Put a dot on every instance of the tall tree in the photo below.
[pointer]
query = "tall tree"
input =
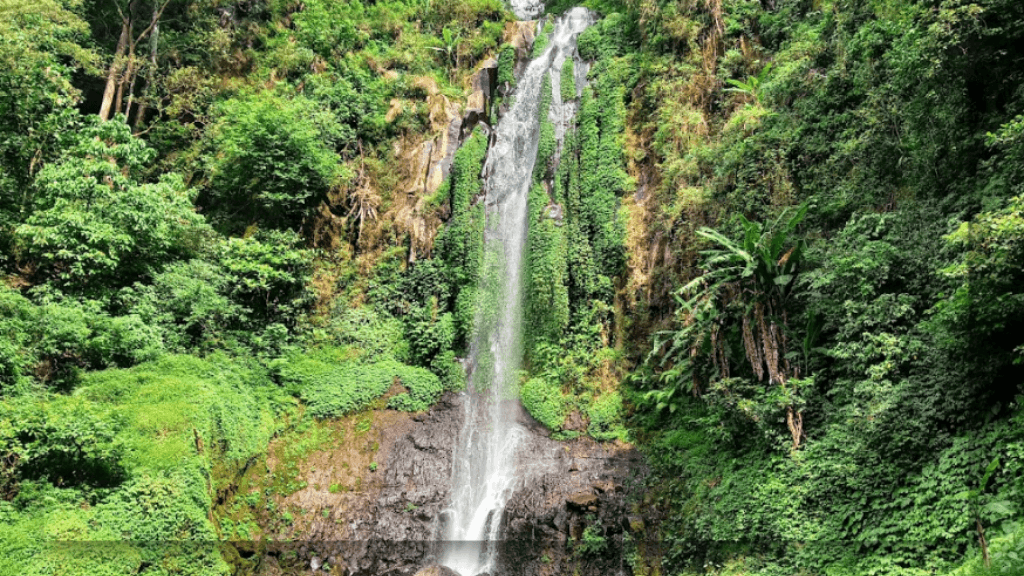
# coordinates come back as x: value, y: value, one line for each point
x: 124, y: 68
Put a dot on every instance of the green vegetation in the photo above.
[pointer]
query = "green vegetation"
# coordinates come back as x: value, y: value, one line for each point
x: 822, y: 282
x: 568, y: 80
x: 507, y: 65
x: 544, y: 401
x: 781, y: 249
x: 540, y: 44
x: 592, y: 541
x: 128, y: 458
x: 271, y: 159
x: 546, y: 143
x: 575, y: 247
x: 202, y: 246
x: 461, y: 244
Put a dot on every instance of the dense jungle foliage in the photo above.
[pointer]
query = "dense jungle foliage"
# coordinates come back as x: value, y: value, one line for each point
x: 782, y: 252
x: 825, y: 247
x: 204, y: 245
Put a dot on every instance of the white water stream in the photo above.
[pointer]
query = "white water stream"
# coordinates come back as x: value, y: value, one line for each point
x: 485, y: 470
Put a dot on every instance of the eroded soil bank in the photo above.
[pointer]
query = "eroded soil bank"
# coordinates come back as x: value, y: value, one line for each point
x: 367, y: 497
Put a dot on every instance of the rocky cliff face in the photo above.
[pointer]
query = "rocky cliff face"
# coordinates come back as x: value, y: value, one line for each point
x: 575, y: 518
x: 571, y: 515
x: 574, y: 507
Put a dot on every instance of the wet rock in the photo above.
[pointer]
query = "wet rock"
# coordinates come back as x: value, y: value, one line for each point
x: 521, y: 34
x: 556, y: 213
x: 478, y: 106
x: 546, y: 518
x: 636, y: 524
x: 390, y: 524
x: 607, y: 486
x: 437, y: 571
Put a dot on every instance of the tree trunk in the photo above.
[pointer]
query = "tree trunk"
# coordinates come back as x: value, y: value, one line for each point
x: 130, y: 65
x: 119, y: 98
x: 115, y: 70
x: 984, y: 544
x: 130, y: 76
x: 795, y: 422
x: 154, y: 40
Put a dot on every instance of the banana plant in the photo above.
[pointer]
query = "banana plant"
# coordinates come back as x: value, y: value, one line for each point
x: 758, y: 272
x: 450, y: 46
x: 752, y: 87
x: 760, y: 264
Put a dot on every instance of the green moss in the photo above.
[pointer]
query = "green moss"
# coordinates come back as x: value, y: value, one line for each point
x: 543, y: 40
x: 449, y: 370
x: 547, y: 274
x: 507, y: 65
x: 344, y: 389
x: 460, y: 245
x: 546, y: 143
x: 568, y: 80
x: 161, y: 426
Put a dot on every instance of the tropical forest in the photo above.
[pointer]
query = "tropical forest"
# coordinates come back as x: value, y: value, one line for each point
x: 512, y: 287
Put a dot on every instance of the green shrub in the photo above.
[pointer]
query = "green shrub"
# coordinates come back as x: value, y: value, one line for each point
x: 64, y: 440
x: 424, y: 389
x: 330, y: 28
x: 116, y: 478
x: 332, y: 390
x: 268, y: 274
x: 568, y: 79
x: 460, y: 245
x: 547, y: 275
x: 605, y: 414
x: 250, y: 291
x: 507, y: 65
x: 54, y: 339
x: 449, y: 370
x: 189, y: 300
x: 592, y: 542
x: 171, y: 404
x: 269, y: 160
x: 540, y: 44
x: 545, y: 402
x: 92, y: 222
x: 376, y: 335
x: 430, y: 333
x: 297, y: 372
x: 18, y: 328
x: 546, y: 143
x: 340, y: 390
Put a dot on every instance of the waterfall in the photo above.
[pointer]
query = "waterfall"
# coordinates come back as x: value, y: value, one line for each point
x: 485, y: 468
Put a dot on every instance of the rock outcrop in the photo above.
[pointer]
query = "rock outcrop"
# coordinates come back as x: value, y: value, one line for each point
x: 436, y: 570
x: 568, y: 514
x: 573, y: 518
x: 388, y: 524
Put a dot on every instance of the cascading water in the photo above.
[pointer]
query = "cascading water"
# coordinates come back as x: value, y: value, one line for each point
x: 485, y: 470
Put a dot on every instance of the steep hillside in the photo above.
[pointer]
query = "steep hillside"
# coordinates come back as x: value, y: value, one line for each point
x: 775, y: 245
x: 823, y: 280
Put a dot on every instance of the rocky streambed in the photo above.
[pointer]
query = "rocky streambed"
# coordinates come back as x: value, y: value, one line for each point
x: 573, y: 511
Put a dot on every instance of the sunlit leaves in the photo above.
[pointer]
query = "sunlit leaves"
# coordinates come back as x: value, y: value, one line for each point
x: 93, y: 220
x: 270, y: 159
